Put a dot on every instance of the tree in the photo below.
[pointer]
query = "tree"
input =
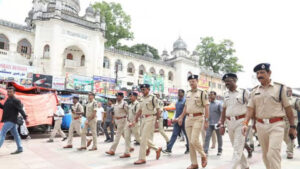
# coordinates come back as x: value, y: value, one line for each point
x: 141, y: 49
x: 118, y: 23
x: 218, y: 57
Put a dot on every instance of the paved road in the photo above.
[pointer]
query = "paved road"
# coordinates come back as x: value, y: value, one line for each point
x: 41, y: 155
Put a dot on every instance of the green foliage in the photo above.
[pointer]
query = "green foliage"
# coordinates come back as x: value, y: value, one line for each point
x: 218, y: 57
x: 118, y: 23
x: 140, y: 49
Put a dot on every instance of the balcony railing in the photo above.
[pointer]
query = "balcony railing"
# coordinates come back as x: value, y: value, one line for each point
x: 3, y: 52
x: 72, y: 64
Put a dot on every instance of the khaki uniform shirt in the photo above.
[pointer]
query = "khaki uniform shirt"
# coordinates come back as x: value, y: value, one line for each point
x: 265, y: 101
x: 133, y: 109
x: 236, y: 102
x: 194, y: 102
x: 120, y: 109
x: 295, y: 105
x: 90, y: 108
x: 77, y: 108
x: 148, y: 106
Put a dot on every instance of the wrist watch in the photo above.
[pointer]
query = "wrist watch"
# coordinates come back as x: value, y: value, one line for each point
x: 292, y: 126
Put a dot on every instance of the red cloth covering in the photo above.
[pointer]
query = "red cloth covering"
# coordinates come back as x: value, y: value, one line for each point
x: 38, y: 107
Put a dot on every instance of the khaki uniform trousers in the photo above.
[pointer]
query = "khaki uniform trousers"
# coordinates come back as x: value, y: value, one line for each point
x: 74, y: 126
x: 161, y: 130
x: 57, y: 129
x: 92, y: 124
x: 128, y: 131
x: 147, y: 130
x: 290, y: 143
x: 121, y: 124
x: 193, y: 127
x: 270, y: 137
x: 238, y: 142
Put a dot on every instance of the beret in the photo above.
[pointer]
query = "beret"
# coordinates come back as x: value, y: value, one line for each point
x: 262, y: 66
x: 145, y: 86
x: 193, y: 77
x: 232, y: 75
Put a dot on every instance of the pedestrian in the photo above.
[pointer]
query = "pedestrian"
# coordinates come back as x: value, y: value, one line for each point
x: 196, y: 109
x: 90, y: 123
x: 100, y: 112
x: 134, y: 107
x: 177, y: 129
x: 77, y: 112
x: 120, y: 114
x: 234, y: 112
x: 58, y: 115
x: 215, y: 109
x: 109, y: 122
x: 269, y: 104
x: 150, y: 112
x: 160, y: 121
x: 298, y: 129
x: 165, y: 118
x: 11, y: 109
x: 289, y: 142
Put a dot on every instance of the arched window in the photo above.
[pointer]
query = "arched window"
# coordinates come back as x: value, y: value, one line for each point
x: 130, y: 68
x: 119, y: 65
x: 70, y: 56
x: 162, y: 73
x: 24, y: 47
x: 4, y: 42
x: 46, y: 53
x: 170, y: 76
x: 142, y: 70
x: 152, y: 71
x: 106, y: 63
x: 82, y: 61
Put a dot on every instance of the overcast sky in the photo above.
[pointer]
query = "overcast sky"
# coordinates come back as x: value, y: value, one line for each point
x: 262, y: 30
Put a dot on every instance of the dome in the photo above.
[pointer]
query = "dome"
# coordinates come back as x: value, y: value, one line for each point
x: 179, y: 44
x: 67, y: 6
x: 165, y: 53
x: 90, y: 10
x: 148, y: 53
x: 72, y: 6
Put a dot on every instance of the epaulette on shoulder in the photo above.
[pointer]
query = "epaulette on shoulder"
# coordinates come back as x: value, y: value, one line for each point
x: 277, y: 83
x: 254, y: 87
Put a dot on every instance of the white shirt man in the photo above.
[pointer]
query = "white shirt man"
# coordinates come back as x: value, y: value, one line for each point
x: 58, y: 115
x: 100, y: 112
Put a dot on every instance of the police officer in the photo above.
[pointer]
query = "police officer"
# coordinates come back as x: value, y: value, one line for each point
x: 160, y: 121
x: 150, y: 113
x: 196, y: 109
x: 234, y: 112
x: 120, y: 114
x: 289, y: 142
x: 91, y: 122
x: 134, y: 107
x: 77, y: 112
x: 268, y: 101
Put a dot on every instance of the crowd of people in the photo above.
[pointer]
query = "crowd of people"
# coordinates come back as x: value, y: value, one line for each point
x: 268, y: 112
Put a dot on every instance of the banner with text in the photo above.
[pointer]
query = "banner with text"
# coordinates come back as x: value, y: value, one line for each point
x: 20, y: 74
x: 79, y: 83
x: 104, y: 85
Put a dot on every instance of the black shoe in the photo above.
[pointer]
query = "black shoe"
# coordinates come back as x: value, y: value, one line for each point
x: 166, y: 151
x: 187, y: 151
x: 16, y: 152
x: 106, y: 140
x: 110, y: 141
x: 64, y: 139
x: 252, y: 146
x: 219, y: 153
x: 50, y: 141
x: 136, y: 143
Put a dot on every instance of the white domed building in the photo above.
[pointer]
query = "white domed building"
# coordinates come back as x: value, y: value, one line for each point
x: 57, y: 41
